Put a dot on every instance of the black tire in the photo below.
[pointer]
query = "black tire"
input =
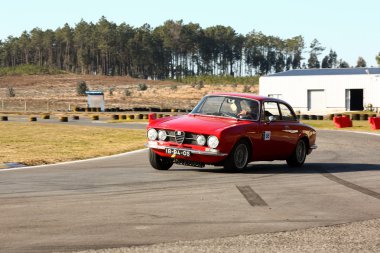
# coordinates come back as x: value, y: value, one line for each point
x: 239, y: 157
x: 298, y: 156
x: 158, y: 162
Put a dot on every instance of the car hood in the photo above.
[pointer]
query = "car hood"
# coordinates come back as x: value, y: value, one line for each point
x: 195, y: 123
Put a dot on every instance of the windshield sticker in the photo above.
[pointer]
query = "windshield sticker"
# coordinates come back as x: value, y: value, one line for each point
x: 266, y: 135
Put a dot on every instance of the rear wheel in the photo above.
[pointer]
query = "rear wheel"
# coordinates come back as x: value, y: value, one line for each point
x: 298, y: 157
x: 238, y: 159
x: 158, y: 162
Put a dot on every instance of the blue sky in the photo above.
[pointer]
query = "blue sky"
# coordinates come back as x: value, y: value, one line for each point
x: 351, y: 28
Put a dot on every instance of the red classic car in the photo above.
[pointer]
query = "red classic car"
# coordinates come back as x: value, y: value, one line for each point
x: 230, y: 130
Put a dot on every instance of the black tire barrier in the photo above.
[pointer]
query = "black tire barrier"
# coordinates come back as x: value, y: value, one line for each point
x: 32, y: 118
x: 139, y: 116
x: 95, y: 117
x: 329, y: 116
x: 4, y: 118
x: 313, y: 117
x: 154, y: 109
x: 145, y: 116
x: 140, y: 109
x: 159, y: 116
x: 75, y: 117
x: 123, y: 117
x: 319, y: 117
x: 115, y: 117
x: 363, y: 116
x: 45, y: 116
x: 64, y: 119
x: 355, y: 116
x: 337, y: 115
x: 130, y: 116
x: 305, y: 117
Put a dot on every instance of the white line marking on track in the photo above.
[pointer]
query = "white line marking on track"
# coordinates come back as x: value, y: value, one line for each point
x: 78, y: 161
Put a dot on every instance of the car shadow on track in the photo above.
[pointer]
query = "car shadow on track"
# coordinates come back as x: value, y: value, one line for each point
x: 309, y: 168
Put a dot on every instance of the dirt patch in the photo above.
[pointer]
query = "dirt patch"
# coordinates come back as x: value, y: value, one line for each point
x: 58, y: 92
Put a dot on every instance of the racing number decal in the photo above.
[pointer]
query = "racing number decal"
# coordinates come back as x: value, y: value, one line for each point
x: 266, y: 135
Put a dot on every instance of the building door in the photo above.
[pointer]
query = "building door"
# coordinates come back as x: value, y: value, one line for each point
x: 316, y: 100
x: 354, y: 100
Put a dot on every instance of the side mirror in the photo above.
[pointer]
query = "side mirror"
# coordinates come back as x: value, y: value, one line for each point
x: 270, y: 118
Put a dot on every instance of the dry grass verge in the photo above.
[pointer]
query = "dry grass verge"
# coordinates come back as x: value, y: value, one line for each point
x: 35, y: 144
x: 358, y: 125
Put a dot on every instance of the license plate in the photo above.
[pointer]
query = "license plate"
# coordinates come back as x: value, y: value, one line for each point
x: 172, y: 151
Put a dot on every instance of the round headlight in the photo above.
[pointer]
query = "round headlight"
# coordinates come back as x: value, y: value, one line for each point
x: 152, y: 134
x: 213, y: 141
x: 201, y: 140
x: 162, y: 135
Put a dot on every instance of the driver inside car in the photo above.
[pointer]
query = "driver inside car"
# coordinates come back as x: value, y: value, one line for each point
x: 249, y: 110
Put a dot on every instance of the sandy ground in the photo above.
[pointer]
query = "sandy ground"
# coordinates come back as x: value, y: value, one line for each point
x: 58, y: 92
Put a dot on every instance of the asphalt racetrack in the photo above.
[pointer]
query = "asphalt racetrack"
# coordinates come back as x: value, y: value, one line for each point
x: 121, y: 201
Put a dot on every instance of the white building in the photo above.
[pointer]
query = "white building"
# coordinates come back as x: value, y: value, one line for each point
x: 325, y: 90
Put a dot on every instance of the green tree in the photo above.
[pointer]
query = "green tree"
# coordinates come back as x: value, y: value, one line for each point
x: 81, y: 88
x: 333, y: 62
x: 343, y: 64
x: 361, y: 63
x: 315, y: 50
x: 82, y: 44
x: 330, y: 60
x: 378, y: 59
x: 25, y: 46
x: 325, y: 62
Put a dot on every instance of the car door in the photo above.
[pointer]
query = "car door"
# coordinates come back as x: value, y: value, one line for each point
x: 273, y: 138
x: 289, y: 129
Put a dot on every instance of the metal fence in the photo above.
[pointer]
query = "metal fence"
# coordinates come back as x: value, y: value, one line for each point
x: 22, y: 105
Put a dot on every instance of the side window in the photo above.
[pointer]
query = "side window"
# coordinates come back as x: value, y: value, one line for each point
x: 271, y: 109
x: 287, y: 113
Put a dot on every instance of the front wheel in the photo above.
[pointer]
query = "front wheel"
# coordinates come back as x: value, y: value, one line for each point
x: 298, y: 157
x: 238, y: 159
x: 158, y: 162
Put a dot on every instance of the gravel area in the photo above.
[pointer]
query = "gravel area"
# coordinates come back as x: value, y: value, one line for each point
x: 353, y: 237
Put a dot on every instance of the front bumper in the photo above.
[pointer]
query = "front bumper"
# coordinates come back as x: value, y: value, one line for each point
x: 207, y: 152
x: 311, y: 148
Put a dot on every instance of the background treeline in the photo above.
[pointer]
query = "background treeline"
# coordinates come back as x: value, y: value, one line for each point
x: 172, y: 50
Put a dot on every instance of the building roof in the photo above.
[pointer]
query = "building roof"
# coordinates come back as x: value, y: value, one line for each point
x: 328, y: 72
x: 95, y: 92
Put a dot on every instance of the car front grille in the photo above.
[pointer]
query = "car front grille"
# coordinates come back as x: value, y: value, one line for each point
x: 181, y: 137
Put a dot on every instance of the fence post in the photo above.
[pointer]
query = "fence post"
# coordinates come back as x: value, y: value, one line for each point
x: 2, y: 104
x: 25, y: 105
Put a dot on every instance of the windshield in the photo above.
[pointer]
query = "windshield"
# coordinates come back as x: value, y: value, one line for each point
x: 228, y: 107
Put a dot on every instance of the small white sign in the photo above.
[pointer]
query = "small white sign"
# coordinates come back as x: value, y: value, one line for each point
x: 267, y: 135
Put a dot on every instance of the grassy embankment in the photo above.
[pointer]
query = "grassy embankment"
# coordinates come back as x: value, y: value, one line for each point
x: 35, y: 143
x: 29, y: 69
x: 358, y: 125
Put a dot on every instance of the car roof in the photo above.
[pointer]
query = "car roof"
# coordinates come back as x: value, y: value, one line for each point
x: 245, y: 95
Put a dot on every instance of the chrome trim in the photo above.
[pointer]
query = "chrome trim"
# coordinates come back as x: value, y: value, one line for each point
x: 192, y: 151
x: 291, y: 131
x: 179, y: 136
x: 313, y: 147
